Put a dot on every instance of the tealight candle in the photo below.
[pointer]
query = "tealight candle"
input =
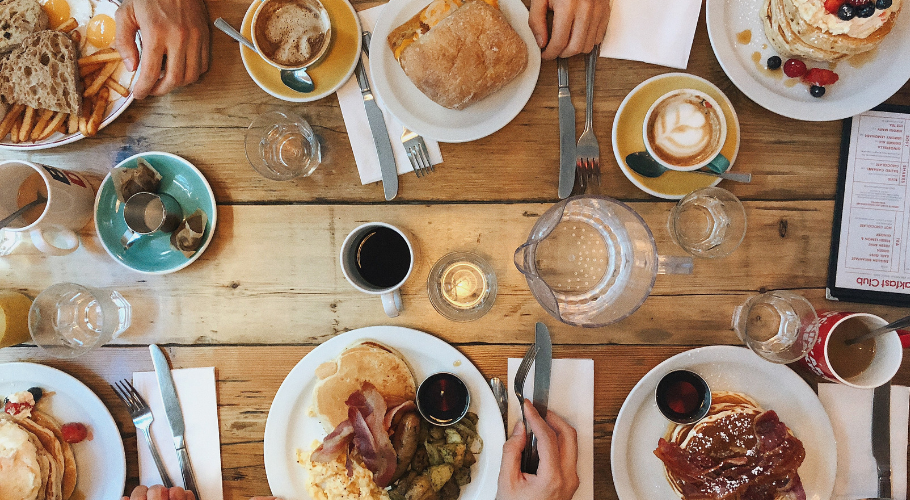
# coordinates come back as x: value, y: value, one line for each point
x: 461, y: 286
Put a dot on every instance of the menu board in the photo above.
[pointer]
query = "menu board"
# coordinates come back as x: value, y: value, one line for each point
x: 870, y: 248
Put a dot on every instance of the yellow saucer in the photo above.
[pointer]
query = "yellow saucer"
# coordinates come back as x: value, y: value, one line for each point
x: 627, y: 135
x: 328, y: 74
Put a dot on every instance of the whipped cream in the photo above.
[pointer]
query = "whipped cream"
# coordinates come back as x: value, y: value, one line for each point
x: 813, y: 11
x: 20, y: 474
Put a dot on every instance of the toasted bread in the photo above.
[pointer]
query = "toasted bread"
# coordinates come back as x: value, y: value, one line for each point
x: 42, y: 73
x: 18, y: 20
x: 363, y: 362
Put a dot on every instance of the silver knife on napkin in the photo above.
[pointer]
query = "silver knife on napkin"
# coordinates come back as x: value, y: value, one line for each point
x: 566, y: 131
x: 881, y: 437
x: 542, y: 368
x: 377, y: 128
x: 174, y: 416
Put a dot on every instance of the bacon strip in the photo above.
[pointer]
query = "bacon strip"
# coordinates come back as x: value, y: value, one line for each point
x: 390, y: 415
x: 335, y: 443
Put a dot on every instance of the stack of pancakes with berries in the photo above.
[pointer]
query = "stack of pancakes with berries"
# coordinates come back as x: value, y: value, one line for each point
x: 827, y: 30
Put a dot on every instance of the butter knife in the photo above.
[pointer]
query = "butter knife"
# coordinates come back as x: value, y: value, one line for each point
x: 881, y: 437
x: 174, y: 416
x: 542, y: 368
x: 377, y: 128
x: 566, y: 131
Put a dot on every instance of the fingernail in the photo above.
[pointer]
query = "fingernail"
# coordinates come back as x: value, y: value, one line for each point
x: 540, y: 42
x: 517, y: 430
x: 130, y: 65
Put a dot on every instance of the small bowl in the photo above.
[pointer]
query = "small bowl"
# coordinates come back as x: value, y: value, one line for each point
x: 443, y: 399
x: 683, y: 397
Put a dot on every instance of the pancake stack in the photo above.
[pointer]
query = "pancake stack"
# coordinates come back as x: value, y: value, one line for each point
x: 35, y: 462
x: 805, y: 29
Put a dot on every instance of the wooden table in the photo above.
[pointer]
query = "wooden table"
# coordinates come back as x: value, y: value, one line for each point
x: 269, y: 288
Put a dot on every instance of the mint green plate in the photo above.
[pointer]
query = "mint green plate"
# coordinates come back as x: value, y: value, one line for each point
x: 153, y: 254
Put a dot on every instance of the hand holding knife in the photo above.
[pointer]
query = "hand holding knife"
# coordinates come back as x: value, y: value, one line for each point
x: 542, y: 364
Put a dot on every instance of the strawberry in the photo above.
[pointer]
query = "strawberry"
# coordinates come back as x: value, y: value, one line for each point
x: 16, y: 408
x: 794, y: 68
x: 821, y: 77
x: 832, y: 5
x: 74, y: 432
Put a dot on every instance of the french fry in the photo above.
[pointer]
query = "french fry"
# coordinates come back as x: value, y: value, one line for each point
x: 102, y: 77
x: 14, y: 133
x: 68, y: 25
x: 76, y: 36
x: 28, y: 120
x: 72, y: 124
x: 43, y: 119
x: 116, y: 87
x: 88, y: 69
x: 52, y: 125
x: 99, y: 57
x: 11, y: 117
x: 83, y: 119
x: 98, y: 112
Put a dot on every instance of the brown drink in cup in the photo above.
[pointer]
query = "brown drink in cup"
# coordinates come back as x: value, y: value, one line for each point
x: 291, y: 34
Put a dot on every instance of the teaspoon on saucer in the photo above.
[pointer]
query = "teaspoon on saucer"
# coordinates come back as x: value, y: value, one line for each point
x: 643, y: 164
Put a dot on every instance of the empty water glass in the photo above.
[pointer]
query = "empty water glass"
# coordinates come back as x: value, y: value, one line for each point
x: 779, y: 326
x: 68, y: 320
x: 282, y: 146
x: 709, y: 222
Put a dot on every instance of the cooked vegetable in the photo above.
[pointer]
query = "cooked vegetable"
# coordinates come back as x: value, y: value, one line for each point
x: 440, y: 475
x: 421, y: 489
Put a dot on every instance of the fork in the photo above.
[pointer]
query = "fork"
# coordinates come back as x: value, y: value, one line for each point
x: 142, y: 419
x: 587, y: 152
x: 416, y: 148
x: 520, y: 377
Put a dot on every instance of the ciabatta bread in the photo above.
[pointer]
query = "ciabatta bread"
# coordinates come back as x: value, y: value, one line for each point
x: 18, y: 20
x: 42, y: 73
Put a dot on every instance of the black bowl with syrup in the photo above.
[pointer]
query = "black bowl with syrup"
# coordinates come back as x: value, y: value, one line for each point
x: 683, y: 397
x: 443, y: 399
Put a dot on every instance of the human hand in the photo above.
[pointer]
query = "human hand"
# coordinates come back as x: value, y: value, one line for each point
x: 159, y: 492
x: 557, y: 445
x: 578, y: 25
x: 175, y: 37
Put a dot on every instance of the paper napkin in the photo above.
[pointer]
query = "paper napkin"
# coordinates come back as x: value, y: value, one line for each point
x: 355, y: 119
x: 670, y: 28
x: 850, y: 411
x: 196, y: 391
x: 572, y: 398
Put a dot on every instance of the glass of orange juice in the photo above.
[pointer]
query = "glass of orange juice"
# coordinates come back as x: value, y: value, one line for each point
x: 13, y: 318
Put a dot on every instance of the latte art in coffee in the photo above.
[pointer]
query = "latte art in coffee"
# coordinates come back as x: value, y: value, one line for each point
x: 685, y: 129
x: 292, y: 32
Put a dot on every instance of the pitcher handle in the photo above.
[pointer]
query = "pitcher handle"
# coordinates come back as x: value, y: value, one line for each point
x: 521, y: 258
x: 669, y: 264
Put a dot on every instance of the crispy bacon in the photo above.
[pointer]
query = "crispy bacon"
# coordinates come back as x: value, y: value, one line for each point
x: 335, y: 443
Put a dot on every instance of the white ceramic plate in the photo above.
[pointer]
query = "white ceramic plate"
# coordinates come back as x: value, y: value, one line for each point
x: 100, y: 462
x: 114, y: 107
x: 859, y: 88
x: 290, y: 428
x: 417, y: 112
x: 639, y: 474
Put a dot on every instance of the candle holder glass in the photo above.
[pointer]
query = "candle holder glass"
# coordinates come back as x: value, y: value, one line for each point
x: 462, y: 286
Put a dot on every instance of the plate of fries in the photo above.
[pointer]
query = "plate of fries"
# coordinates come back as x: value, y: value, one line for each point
x: 106, y: 94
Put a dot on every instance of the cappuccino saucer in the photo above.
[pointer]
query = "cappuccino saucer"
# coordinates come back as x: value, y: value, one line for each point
x: 627, y: 134
x: 330, y: 73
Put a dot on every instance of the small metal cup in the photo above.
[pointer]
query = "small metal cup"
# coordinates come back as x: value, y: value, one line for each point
x: 149, y: 213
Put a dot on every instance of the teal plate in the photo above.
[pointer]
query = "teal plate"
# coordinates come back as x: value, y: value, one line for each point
x: 154, y: 254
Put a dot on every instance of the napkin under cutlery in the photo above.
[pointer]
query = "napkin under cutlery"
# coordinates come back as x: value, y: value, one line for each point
x: 196, y: 391
x: 572, y: 398
x: 670, y: 28
x: 850, y: 411
x: 355, y: 119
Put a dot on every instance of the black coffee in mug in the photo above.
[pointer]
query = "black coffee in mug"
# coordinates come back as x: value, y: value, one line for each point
x: 382, y: 257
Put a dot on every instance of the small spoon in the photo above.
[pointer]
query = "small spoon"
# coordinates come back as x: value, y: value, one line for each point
x: 901, y: 323
x: 643, y: 164
x: 297, y: 79
x: 7, y: 221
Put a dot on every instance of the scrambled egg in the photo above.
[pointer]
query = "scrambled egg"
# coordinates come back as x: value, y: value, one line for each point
x: 330, y: 481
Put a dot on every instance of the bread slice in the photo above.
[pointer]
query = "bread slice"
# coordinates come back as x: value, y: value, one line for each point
x: 42, y: 73
x: 18, y: 20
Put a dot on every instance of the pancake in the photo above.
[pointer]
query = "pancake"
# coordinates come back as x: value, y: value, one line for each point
x: 23, y: 469
x: 54, y: 450
x: 70, y: 474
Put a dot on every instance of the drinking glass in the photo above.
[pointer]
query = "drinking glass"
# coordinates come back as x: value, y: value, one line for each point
x: 13, y: 318
x: 709, y: 222
x: 462, y: 286
x: 282, y: 146
x: 779, y: 326
x: 68, y: 320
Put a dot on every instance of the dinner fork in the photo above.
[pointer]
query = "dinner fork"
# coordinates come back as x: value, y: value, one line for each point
x: 519, y: 387
x: 416, y: 148
x: 142, y: 419
x: 587, y: 152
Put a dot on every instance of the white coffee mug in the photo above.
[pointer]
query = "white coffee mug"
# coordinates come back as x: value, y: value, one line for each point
x: 350, y: 251
x: 711, y: 151
x: 70, y: 198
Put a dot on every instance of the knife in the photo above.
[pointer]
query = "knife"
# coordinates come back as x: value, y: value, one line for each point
x: 542, y: 364
x: 881, y: 437
x: 566, y: 131
x: 174, y: 416
x: 377, y: 128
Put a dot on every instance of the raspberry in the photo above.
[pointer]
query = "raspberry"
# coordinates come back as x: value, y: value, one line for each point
x: 16, y: 408
x: 74, y: 432
x: 832, y: 5
x: 820, y: 77
x: 858, y: 3
x: 794, y: 68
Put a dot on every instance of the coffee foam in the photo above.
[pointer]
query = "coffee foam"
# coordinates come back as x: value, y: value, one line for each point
x: 684, y: 129
x: 291, y: 32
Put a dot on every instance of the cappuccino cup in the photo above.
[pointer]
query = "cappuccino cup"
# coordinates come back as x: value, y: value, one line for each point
x: 291, y: 34
x: 684, y: 129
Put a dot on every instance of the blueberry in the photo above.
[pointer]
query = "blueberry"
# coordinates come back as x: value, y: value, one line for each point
x: 882, y: 4
x: 37, y: 393
x: 866, y: 10
x: 773, y: 62
x: 817, y: 91
x: 846, y: 12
